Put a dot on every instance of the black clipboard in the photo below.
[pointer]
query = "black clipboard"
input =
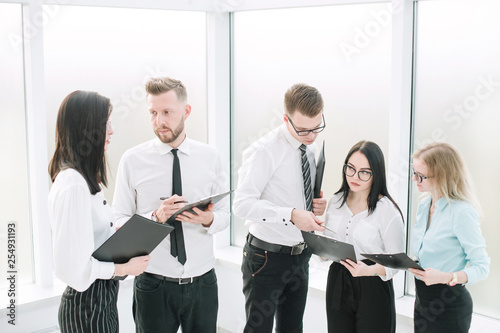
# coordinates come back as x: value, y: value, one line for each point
x: 137, y: 237
x: 201, y: 204
x: 396, y: 260
x: 329, y: 248
x: 320, y: 169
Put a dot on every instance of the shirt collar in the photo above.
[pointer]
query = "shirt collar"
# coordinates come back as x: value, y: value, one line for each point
x: 291, y: 140
x: 440, y: 204
x: 165, y: 148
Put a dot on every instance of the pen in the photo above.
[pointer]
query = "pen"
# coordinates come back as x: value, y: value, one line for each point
x: 324, y: 226
x: 165, y: 198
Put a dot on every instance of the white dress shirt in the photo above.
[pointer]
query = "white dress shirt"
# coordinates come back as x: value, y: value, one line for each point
x: 380, y: 232
x: 80, y: 223
x: 145, y: 175
x: 271, y: 185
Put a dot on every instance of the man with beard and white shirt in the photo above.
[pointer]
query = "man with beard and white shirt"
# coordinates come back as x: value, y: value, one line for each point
x: 179, y: 288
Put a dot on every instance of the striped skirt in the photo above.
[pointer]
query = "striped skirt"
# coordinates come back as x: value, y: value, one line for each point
x: 91, y: 311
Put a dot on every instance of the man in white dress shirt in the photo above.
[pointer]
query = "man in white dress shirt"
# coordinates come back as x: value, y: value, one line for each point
x: 274, y: 195
x: 179, y: 288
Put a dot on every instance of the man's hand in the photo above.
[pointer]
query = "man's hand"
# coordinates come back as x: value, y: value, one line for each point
x: 306, y: 221
x: 203, y: 217
x: 319, y: 205
x: 168, y: 207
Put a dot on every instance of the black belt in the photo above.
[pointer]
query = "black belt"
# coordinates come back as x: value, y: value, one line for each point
x: 177, y: 280
x: 276, y: 248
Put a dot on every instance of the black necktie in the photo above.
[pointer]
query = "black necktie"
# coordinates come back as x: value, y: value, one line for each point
x: 306, y: 175
x: 177, y: 248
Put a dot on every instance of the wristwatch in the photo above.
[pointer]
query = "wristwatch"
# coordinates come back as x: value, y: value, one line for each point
x: 454, y: 280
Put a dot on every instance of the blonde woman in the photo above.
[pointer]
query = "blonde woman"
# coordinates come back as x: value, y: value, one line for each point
x: 447, y: 241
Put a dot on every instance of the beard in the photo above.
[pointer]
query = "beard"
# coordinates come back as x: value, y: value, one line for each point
x: 172, y: 135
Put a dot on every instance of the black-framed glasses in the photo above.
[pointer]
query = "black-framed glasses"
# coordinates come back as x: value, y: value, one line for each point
x: 363, y: 175
x: 306, y: 132
x: 418, y: 177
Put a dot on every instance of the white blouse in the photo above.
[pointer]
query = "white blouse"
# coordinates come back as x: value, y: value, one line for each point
x: 80, y: 223
x: 380, y: 232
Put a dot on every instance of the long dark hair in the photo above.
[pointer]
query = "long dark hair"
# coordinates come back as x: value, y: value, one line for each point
x: 375, y: 158
x: 80, y: 137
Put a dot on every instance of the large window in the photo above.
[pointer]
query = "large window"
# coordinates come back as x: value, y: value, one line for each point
x: 114, y: 56
x: 13, y: 147
x: 344, y: 51
x: 457, y: 96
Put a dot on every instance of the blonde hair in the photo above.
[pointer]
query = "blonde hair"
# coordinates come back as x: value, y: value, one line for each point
x: 159, y: 85
x: 447, y: 168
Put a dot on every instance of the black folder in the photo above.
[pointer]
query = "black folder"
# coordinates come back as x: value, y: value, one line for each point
x: 329, y: 248
x: 201, y: 204
x: 137, y: 237
x: 396, y: 260
x: 320, y: 169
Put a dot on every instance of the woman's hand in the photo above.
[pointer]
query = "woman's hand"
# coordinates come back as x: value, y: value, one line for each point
x: 134, y: 266
x: 432, y: 276
x: 357, y: 268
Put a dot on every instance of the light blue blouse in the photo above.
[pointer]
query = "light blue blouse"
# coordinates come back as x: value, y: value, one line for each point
x: 453, y: 240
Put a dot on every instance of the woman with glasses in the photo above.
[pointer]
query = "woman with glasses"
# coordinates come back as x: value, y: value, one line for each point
x: 81, y: 218
x: 447, y: 241
x: 360, y: 295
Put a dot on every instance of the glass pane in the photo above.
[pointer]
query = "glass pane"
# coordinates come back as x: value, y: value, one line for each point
x: 457, y: 100
x: 13, y: 145
x: 115, y: 55
x: 344, y: 51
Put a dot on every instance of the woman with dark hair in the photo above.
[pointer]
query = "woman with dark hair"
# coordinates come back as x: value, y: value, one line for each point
x: 447, y: 241
x: 80, y: 217
x: 360, y: 295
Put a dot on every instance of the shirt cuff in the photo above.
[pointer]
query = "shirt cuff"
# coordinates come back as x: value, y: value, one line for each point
x: 389, y: 274
x: 284, y: 214
x: 471, y: 275
x: 106, y: 270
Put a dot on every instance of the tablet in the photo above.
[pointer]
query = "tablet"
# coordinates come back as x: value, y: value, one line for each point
x: 200, y: 204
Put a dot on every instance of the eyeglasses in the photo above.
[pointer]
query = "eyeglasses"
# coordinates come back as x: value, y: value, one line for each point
x: 306, y: 132
x: 363, y: 175
x: 108, y: 125
x: 419, y: 177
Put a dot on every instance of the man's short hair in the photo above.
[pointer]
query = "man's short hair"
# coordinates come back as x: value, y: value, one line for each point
x: 305, y: 99
x: 159, y: 85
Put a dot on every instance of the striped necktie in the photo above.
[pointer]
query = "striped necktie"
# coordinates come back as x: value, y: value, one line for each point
x: 306, y: 175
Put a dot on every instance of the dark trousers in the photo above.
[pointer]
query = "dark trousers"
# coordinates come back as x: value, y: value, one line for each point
x: 359, y: 304
x: 162, y: 306
x: 275, y: 285
x: 93, y: 310
x: 441, y: 308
